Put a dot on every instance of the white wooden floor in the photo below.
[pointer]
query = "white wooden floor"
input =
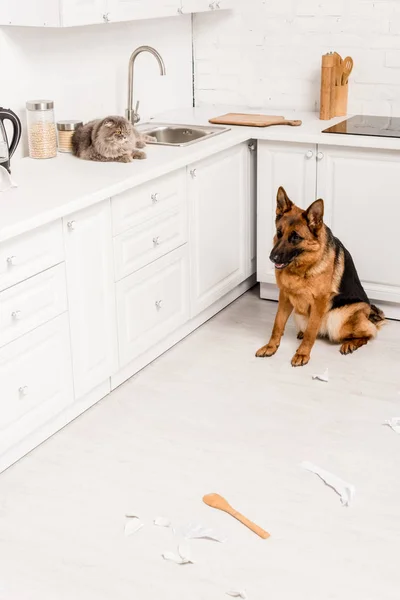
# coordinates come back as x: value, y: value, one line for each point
x: 208, y: 416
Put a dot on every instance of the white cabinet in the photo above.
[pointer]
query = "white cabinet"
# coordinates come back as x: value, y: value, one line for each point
x: 361, y: 190
x: 83, y: 12
x: 91, y: 298
x: 219, y: 190
x: 152, y: 303
x: 69, y: 13
x: 36, y: 381
x: 293, y: 166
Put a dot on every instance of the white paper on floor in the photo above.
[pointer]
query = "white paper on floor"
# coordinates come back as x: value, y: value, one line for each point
x: 394, y: 423
x: 345, y: 490
x: 237, y: 594
x: 162, y: 522
x: 182, y: 557
x: 193, y: 531
x: 324, y: 377
x: 133, y: 524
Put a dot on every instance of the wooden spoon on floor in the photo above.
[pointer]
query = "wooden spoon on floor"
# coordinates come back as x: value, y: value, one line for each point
x: 217, y: 501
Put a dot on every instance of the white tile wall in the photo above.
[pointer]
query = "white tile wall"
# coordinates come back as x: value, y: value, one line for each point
x: 85, y: 69
x: 268, y: 53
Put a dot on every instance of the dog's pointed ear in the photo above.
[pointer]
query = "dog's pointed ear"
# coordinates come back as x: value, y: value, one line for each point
x: 283, y: 202
x: 315, y: 215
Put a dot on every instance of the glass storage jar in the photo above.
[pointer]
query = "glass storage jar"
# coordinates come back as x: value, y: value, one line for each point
x: 42, y: 136
x: 65, y: 130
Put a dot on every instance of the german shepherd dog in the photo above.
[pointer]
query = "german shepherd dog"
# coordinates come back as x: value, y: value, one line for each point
x: 317, y: 280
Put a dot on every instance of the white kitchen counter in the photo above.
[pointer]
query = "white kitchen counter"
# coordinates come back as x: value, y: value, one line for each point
x: 50, y: 189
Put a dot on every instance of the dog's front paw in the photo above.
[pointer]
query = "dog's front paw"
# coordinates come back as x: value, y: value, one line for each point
x: 267, y: 350
x: 300, y: 359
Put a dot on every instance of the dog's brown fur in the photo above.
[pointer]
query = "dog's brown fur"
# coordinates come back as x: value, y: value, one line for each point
x: 318, y: 281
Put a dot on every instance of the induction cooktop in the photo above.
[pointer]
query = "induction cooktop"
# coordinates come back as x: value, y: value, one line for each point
x: 368, y: 125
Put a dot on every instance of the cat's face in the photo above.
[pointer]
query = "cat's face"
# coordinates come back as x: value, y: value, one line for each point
x: 117, y: 131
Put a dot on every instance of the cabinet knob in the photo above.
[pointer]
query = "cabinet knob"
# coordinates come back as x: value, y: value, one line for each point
x: 320, y: 155
x: 71, y: 225
x: 252, y: 146
x: 309, y: 154
x: 106, y: 17
x: 193, y: 173
x: 11, y: 260
x: 23, y: 390
x: 158, y: 304
x: 16, y: 314
x: 155, y: 198
x: 156, y: 240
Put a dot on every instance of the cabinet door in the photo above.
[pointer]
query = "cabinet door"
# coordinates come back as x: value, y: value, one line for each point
x: 127, y: 10
x: 91, y: 298
x: 83, y: 12
x: 292, y: 166
x: 219, y: 196
x: 42, y: 13
x: 360, y: 188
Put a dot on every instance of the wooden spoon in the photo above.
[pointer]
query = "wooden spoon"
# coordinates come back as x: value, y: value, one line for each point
x: 347, y: 69
x: 338, y: 68
x: 217, y: 501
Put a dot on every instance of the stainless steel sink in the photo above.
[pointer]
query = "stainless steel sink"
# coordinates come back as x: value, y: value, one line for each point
x: 179, y: 135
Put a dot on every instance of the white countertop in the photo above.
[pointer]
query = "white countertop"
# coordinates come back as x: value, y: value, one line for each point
x: 50, y: 189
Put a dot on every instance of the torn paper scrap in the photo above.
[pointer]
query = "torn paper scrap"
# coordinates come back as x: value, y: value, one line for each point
x: 394, y: 423
x: 133, y: 525
x: 182, y: 557
x: 193, y: 531
x: 345, y: 490
x: 162, y: 522
x: 324, y: 377
x: 237, y: 594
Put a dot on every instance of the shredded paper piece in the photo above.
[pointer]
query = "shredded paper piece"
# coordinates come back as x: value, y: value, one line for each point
x: 162, y: 522
x: 345, y: 490
x: 133, y: 524
x: 324, y: 377
x: 237, y: 594
x: 193, y: 531
x: 394, y: 423
x: 183, y: 556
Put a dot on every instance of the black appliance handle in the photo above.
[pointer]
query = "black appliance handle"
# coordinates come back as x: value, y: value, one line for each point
x: 6, y: 114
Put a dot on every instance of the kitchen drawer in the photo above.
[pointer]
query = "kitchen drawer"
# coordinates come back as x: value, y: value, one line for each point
x: 33, y: 302
x: 152, y: 303
x: 147, y: 201
x: 36, y: 380
x: 149, y: 241
x: 31, y: 253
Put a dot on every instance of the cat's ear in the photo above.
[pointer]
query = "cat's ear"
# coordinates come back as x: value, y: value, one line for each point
x: 109, y: 123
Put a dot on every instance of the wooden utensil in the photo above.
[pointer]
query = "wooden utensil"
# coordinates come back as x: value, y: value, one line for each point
x: 217, y: 501
x: 249, y: 120
x: 338, y: 68
x: 347, y: 69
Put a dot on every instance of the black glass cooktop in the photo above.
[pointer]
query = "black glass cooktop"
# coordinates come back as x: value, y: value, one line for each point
x: 368, y: 125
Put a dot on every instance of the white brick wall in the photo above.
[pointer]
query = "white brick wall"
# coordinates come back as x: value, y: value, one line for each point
x: 268, y: 53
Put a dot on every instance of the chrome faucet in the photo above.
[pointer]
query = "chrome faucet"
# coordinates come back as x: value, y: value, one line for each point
x: 132, y: 115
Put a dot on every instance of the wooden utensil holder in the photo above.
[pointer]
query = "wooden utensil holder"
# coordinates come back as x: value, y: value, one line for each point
x: 334, y: 95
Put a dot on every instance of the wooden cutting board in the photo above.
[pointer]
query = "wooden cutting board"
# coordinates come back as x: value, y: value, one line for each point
x: 252, y: 120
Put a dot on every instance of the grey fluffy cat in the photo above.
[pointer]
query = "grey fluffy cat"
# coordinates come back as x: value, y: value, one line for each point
x: 112, y: 139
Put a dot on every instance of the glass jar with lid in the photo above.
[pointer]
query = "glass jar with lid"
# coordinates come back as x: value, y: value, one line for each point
x: 42, y: 136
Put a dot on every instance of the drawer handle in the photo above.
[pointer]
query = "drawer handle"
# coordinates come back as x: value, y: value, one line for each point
x: 158, y: 304
x: 71, y: 225
x: 310, y: 154
x: 23, y: 390
x: 156, y: 240
x: 11, y: 260
x: 155, y: 198
x: 320, y: 155
x: 16, y: 314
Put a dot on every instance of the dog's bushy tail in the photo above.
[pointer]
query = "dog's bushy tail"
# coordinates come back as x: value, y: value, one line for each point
x: 376, y: 316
